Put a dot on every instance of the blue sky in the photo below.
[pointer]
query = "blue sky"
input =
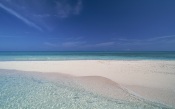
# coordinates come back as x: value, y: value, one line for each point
x: 87, y: 25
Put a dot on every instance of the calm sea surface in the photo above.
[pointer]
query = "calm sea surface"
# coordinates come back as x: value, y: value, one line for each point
x: 52, y: 56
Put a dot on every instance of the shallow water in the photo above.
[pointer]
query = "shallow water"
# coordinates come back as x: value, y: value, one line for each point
x: 22, y: 90
x: 56, y: 56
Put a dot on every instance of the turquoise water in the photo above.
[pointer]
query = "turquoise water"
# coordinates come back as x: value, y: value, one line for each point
x: 22, y: 90
x: 52, y: 56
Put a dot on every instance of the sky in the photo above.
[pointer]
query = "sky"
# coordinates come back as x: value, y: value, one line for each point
x: 87, y: 25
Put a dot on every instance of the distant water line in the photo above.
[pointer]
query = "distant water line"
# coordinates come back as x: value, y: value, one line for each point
x: 59, y: 56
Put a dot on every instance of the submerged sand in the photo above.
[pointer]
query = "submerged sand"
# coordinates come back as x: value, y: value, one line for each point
x: 151, y: 80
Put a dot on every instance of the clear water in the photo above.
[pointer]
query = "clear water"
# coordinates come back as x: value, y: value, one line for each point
x: 19, y: 90
x: 52, y: 56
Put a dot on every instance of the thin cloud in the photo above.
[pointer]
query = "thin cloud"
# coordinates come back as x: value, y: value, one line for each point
x: 148, y: 40
x: 41, y: 14
x: 161, y: 37
x: 121, y: 43
x: 50, y: 44
x: 78, y: 7
x: 20, y: 17
x: 65, y: 44
x: 105, y: 44
x: 73, y: 43
x: 5, y: 36
x: 64, y: 9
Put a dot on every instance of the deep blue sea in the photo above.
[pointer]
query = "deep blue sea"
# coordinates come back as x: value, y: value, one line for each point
x: 56, y: 56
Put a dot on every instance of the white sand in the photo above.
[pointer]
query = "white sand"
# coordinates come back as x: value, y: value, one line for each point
x: 153, y: 80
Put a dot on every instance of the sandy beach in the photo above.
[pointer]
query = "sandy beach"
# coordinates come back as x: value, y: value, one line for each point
x: 147, y: 79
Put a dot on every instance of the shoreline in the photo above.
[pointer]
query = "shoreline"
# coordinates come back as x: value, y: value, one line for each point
x: 153, y: 80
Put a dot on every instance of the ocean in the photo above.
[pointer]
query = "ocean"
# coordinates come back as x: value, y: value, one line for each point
x: 60, y: 56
